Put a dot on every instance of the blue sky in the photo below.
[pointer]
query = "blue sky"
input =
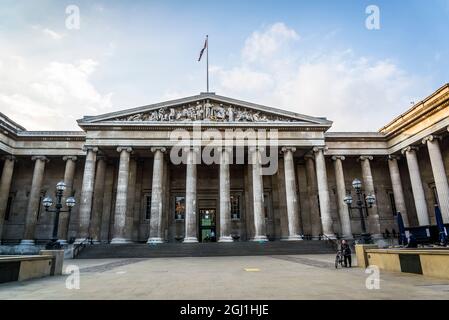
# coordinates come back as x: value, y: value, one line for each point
x: 311, y: 57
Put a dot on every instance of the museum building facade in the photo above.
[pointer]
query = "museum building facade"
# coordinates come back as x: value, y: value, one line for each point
x: 211, y: 168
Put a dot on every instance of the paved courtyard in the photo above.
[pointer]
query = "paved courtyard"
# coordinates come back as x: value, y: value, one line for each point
x: 262, y: 277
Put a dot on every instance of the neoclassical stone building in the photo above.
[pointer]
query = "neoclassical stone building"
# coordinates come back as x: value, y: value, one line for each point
x: 133, y: 181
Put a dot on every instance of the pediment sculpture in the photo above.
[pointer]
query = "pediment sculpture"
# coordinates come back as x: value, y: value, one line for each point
x: 207, y: 111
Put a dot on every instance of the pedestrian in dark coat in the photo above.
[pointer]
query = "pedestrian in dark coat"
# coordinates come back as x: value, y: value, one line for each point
x: 346, y: 252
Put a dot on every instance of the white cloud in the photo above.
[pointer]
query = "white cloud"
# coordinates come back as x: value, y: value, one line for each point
x: 52, y: 96
x: 357, y: 93
x: 262, y: 45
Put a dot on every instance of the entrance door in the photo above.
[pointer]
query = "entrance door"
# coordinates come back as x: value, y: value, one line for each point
x: 208, y: 232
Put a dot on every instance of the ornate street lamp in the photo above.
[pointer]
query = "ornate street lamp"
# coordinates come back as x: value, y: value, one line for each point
x: 370, y: 200
x: 48, y: 202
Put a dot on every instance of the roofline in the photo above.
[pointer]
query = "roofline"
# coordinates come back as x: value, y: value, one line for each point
x: 10, y: 124
x: 415, y: 106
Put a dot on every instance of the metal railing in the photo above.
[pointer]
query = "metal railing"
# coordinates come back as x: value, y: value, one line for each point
x: 77, y: 248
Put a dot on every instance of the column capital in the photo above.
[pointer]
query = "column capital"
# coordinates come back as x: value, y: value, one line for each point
x: 43, y: 158
x: 161, y: 149
x: 394, y: 157
x: 10, y: 158
x: 90, y: 148
x: 287, y: 149
x: 127, y: 149
x: 363, y: 158
x: 342, y: 158
x: 409, y: 149
x: 73, y: 158
x: 320, y: 148
x: 430, y: 138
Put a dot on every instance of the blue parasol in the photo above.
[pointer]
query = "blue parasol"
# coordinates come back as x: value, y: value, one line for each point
x: 442, y: 235
x: 402, y: 238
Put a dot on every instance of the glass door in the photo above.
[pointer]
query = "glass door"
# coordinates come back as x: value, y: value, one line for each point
x: 207, y: 225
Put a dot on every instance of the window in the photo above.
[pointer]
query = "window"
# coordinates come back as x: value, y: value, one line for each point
x: 8, y: 208
x: 180, y: 207
x: 392, y: 203
x: 147, y: 207
x: 235, y: 207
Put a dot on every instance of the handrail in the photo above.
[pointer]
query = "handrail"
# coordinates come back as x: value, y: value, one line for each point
x: 80, y: 246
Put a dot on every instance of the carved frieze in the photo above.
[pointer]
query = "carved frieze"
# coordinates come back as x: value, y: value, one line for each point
x: 205, y: 111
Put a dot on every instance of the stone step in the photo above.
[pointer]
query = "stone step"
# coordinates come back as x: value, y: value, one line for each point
x: 134, y: 250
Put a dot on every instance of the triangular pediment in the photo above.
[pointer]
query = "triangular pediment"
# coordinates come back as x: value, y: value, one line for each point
x: 206, y: 107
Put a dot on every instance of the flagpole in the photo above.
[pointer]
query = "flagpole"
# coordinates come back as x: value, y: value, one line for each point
x: 207, y: 61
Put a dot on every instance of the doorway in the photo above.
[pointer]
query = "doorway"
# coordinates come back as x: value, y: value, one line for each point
x: 208, y: 231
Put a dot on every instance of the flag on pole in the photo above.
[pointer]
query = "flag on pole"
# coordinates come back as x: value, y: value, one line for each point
x: 202, y: 50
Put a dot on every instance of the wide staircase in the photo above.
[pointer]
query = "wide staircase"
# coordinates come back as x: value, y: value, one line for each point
x: 134, y: 250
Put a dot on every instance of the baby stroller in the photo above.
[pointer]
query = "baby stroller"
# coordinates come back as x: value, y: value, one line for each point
x: 339, y: 259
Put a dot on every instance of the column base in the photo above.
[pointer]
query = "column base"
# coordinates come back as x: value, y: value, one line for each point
x: 155, y: 241
x: 120, y: 241
x: 260, y: 239
x: 190, y: 240
x: 348, y: 237
x: 26, y: 243
x: 226, y: 239
x: 316, y: 238
x: 293, y: 238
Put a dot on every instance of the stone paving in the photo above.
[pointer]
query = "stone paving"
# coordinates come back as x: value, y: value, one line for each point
x: 268, y: 277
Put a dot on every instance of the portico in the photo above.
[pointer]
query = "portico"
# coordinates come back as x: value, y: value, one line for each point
x: 211, y: 168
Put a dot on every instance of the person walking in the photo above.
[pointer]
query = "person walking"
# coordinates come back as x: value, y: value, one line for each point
x: 346, y: 252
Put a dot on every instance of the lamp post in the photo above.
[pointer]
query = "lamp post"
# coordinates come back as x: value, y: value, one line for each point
x: 370, y: 200
x: 48, y: 202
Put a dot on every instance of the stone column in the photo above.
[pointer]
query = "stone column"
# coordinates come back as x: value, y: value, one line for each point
x: 87, y: 190
x: 97, y: 208
x: 396, y: 184
x: 368, y: 184
x: 5, y: 186
x: 417, y: 186
x: 258, y: 199
x: 343, y: 210
x: 64, y: 218
x: 291, y: 195
x: 312, y: 191
x: 33, y: 200
x: 225, y: 197
x: 157, y: 199
x: 131, y: 198
x: 190, y: 218
x: 107, y: 203
x: 121, y: 201
x: 439, y: 175
x: 323, y: 192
